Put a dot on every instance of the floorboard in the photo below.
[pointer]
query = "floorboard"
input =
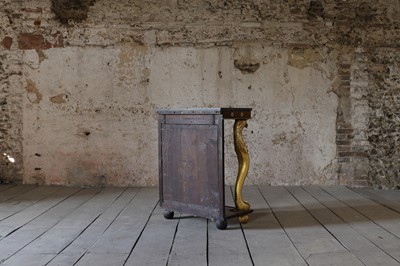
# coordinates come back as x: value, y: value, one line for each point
x: 190, y: 243
x: 237, y: 253
x: 361, y: 247
x: 364, y: 226
x: 382, y: 216
x: 73, y: 252
x: 294, y: 225
x: 25, y: 200
x: 5, y: 187
x: 14, y: 191
x: 387, y: 198
x: 63, y: 233
x: 157, y: 239
x: 23, y: 217
x: 310, y: 238
x: 267, y: 240
x: 121, y: 236
x: 16, y: 241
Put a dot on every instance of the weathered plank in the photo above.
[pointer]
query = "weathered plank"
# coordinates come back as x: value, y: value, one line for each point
x: 307, y: 234
x: 120, y: 238
x: 384, y: 217
x: 157, y: 239
x: 72, y: 253
x: 361, y: 247
x: 63, y: 233
x: 28, y: 259
x: 5, y: 187
x: 68, y: 227
x: 376, y: 234
x: 387, y: 198
x: 227, y: 247
x: 25, y: 200
x: 267, y: 241
x: 23, y: 217
x: 34, y: 229
x: 336, y: 258
x: 190, y: 244
x: 102, y: 259
x: 14, y: 191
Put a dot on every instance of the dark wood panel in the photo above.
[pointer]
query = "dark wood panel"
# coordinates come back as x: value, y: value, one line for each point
x: 191, y: 166
x: 236, y: 113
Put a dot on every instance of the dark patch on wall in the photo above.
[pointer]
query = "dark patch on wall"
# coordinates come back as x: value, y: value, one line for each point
x: 365, y: 12
x: 32, y: 10
x: 59, y: 99
x: 247, y: 66
x: 41, y: 55
x: 39, y: 178
x: 28, y: 41
x: 315, y: 10
x: 7, y: 42
x: 34, y: 96
x: 71, y: 9
x: 37, y: 22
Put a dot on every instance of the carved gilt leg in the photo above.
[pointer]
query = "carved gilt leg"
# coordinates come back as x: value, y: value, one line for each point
x: 244, y: 164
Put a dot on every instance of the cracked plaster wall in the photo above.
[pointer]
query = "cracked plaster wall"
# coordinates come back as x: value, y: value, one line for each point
x: 79, y: 98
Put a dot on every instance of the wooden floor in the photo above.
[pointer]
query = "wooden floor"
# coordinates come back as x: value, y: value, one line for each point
x: 124, y: 226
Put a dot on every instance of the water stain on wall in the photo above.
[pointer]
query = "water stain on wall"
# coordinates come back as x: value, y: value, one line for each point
x: 33, y: 94
x: 302, y: 58
x: 58, y: 99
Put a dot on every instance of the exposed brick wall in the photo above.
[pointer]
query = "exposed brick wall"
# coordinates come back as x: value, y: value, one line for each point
x: 358, y: 38
x: 364, y: 155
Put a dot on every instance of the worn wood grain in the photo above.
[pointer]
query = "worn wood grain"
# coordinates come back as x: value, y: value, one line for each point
x: 157, y: 239
x: 227, y: 247
x: 73, y: 252
x: 360, y: 246
x: 14, y: 191
x: 25, y: 200
x: 190, y: 244
x: 63, y: 233
x: 364, y: 226
x: 306, y: 233
x: 23, y: 217
x: 5, y: 187
x: 121, y: 236
x: 267, y: 240
x: 34, y: 229
x: 306, y: 225
x: 384, y: 217
x: 387, y: 198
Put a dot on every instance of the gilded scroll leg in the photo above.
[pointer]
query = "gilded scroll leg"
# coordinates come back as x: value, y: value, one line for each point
x: 244, y: 164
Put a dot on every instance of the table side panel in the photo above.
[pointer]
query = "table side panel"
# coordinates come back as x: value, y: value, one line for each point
x: 191, y: 179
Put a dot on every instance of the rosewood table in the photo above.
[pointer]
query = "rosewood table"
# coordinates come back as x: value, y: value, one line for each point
x: 191, y: 162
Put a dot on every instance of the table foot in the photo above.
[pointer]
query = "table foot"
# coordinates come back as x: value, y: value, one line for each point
x: 243, y: 219
x: 168, y: 215
x: 222, y: 224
